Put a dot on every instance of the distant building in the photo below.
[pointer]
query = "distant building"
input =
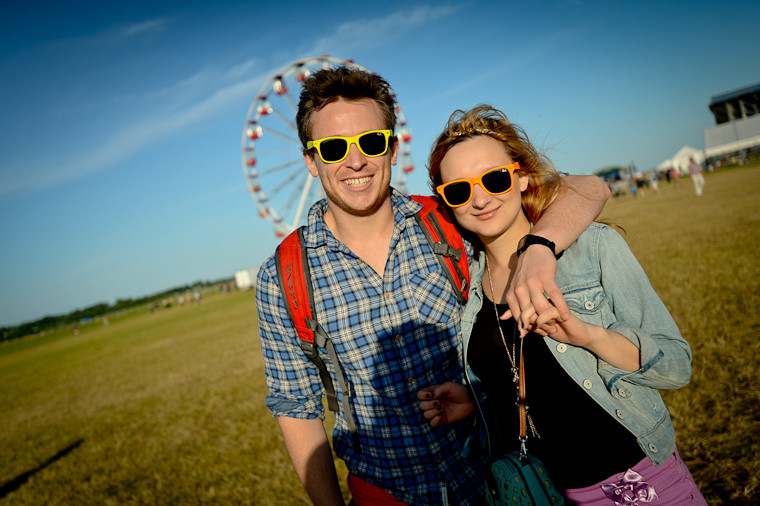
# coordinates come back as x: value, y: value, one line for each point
x: 245, y: 278
x: 737, y: 119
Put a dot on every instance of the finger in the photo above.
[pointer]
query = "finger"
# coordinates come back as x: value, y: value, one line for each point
x: 522, y: 294
x: 547, y: 317
x: 506, y: 315
x: 524, y: 322
x: 538, y: 299
x: 558, y: 301
x: 431, y: 414
x: 425, y: 393
x: 428, y: 405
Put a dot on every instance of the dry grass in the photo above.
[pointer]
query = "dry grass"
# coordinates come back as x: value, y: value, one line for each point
x: 701, y: 255
x: 167, y: 407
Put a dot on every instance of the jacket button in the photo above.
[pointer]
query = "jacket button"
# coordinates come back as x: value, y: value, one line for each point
x: 652, y: 448
x: 561, y: 347
x: 588, y: 304
x: 621, y: 392
x: 619, y: 413
x: 587, y: 384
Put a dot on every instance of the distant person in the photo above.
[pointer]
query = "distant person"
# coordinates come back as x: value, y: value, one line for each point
x: 654, y: 181
x: 676, y: 175
x: 632, y: 187
x: 591, y: 381
x: 697, y: 176
x: 387, y: 306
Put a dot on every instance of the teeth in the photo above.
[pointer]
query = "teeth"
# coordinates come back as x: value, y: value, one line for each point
x: 357, y: 182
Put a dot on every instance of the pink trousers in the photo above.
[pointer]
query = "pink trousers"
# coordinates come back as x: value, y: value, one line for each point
x: 670, y: 483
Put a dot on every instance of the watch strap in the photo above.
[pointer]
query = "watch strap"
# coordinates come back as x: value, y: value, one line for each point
x: 530, y: 239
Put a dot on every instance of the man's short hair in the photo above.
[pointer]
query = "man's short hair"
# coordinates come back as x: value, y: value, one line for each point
x: 347, y: 83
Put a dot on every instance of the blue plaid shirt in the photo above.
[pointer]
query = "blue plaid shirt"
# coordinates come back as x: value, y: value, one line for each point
x: 393, y: 336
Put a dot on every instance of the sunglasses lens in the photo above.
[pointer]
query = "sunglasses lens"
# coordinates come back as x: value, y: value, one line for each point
x: 373, y: 143
x: 497, y: 181
x: 333, y: 150
x: 457, y: 193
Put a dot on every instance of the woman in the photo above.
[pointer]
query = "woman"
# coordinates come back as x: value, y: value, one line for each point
x: 599, y: 423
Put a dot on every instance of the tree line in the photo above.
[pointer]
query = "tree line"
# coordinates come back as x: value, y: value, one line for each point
x: 98, y: 310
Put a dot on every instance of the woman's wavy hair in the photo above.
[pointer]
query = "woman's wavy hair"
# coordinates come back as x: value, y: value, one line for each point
x: 544, y: 181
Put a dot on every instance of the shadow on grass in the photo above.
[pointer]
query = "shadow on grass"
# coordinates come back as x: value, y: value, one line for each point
x: 18, y: 481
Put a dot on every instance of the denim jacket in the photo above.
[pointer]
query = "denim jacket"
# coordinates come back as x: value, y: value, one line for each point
x: 603, y: 284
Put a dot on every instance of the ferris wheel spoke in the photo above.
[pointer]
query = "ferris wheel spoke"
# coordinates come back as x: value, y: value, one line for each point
x: 289, y: 124
x: 300, y: 171
x: 278, y: 168
x: 291, y: 102
x: 281, y: 135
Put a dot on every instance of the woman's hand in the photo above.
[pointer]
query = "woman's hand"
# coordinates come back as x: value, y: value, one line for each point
x: 608, y: 345
x: 446, y: 403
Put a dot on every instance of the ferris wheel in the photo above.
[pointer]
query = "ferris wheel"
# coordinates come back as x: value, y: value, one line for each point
x: 275, y: 172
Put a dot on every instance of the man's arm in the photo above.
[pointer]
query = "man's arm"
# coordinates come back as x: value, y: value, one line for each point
x: 312, y: 459
x: 579, y: 202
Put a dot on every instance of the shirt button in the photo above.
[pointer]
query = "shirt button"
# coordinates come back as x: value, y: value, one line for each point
x: 619, y: 413
x: 439, y: 461
x: 387, y: 295
x: 587, y: 384
x: 410, y: 380
x: 561, y: 347
x: 398, y: 337
x: 652, y: 448
x: 588, y: 304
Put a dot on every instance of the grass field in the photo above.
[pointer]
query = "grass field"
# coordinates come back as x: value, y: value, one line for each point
x: 167, y: 407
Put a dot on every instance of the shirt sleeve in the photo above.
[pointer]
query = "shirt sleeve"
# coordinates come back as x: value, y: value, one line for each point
x: 295, y: 389
x: 642, y: 318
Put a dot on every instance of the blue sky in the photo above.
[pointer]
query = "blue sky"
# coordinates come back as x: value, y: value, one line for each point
x: 121, y: 170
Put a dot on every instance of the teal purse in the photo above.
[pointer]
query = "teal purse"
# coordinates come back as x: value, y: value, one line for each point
x: 519, y: 478
x: 513, y: 480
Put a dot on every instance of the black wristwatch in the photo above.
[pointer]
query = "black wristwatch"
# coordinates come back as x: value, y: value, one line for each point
x: 537, y: 239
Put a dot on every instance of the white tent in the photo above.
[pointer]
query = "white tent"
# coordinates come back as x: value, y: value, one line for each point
x: 681, y: 159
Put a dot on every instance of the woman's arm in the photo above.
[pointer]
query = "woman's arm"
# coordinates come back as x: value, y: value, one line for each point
x: 642, y: 318
x: 608, y: 345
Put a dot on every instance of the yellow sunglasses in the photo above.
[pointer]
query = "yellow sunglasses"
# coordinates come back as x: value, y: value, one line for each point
x: 335, y: 149
x: 496, y: 181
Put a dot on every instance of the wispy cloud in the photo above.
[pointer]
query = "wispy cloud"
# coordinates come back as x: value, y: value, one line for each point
x: 140, y: 134
x: 148, y: 26
x: 207, y: 93
x: 363, y: 33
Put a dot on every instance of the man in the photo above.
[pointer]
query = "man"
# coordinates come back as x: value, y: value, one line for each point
x: 697, y: 176
x: 388, y: 308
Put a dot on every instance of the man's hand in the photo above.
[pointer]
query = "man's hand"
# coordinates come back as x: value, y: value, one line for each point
x: 580, y: 201
x: 533, y: 280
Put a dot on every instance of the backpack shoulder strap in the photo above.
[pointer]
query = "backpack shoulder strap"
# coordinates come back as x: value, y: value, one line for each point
x: 294, y: 278
x: 446, y: 242
x: 292, y: 275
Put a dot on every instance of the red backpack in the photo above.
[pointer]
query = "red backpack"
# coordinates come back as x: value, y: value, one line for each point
x: 293, y: 274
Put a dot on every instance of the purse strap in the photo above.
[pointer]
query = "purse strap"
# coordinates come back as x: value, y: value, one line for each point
x: 523, y: 407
